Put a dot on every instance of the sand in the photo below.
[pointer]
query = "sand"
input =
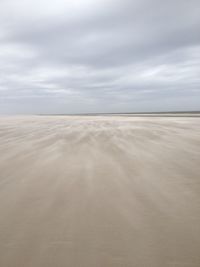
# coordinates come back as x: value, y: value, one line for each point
x: 99, y: 191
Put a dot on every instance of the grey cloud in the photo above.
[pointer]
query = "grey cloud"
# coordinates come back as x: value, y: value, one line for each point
x: 99, y: 56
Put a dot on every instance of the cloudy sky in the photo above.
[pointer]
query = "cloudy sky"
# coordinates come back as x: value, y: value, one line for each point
x: 79, y: 56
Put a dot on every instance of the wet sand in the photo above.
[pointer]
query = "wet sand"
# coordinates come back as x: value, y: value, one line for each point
x: 99, y: 191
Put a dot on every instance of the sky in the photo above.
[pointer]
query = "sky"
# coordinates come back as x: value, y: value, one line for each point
x: 85, y: 56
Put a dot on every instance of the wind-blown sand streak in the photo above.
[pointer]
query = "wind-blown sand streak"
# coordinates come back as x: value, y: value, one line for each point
x: 99, y: 191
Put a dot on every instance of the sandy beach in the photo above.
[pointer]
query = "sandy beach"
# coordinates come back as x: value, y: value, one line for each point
x: 104, y: 191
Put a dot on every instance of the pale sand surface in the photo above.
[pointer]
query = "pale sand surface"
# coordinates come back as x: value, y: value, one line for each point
x: 99, y: 192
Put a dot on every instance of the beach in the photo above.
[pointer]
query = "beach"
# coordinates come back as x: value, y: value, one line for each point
x: 99, y: 191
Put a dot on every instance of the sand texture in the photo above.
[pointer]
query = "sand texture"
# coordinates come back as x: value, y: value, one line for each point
x: 99, y: 191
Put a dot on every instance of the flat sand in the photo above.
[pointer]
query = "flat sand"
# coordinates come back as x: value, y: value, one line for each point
x: 99, y: 191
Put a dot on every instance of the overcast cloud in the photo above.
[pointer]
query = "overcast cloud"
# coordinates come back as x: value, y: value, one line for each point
x: 77, y: 56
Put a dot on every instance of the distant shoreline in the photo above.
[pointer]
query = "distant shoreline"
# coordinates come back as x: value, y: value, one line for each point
x: 136, y: 114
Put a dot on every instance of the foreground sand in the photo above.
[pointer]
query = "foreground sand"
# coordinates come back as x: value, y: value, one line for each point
x: 99, y: 192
